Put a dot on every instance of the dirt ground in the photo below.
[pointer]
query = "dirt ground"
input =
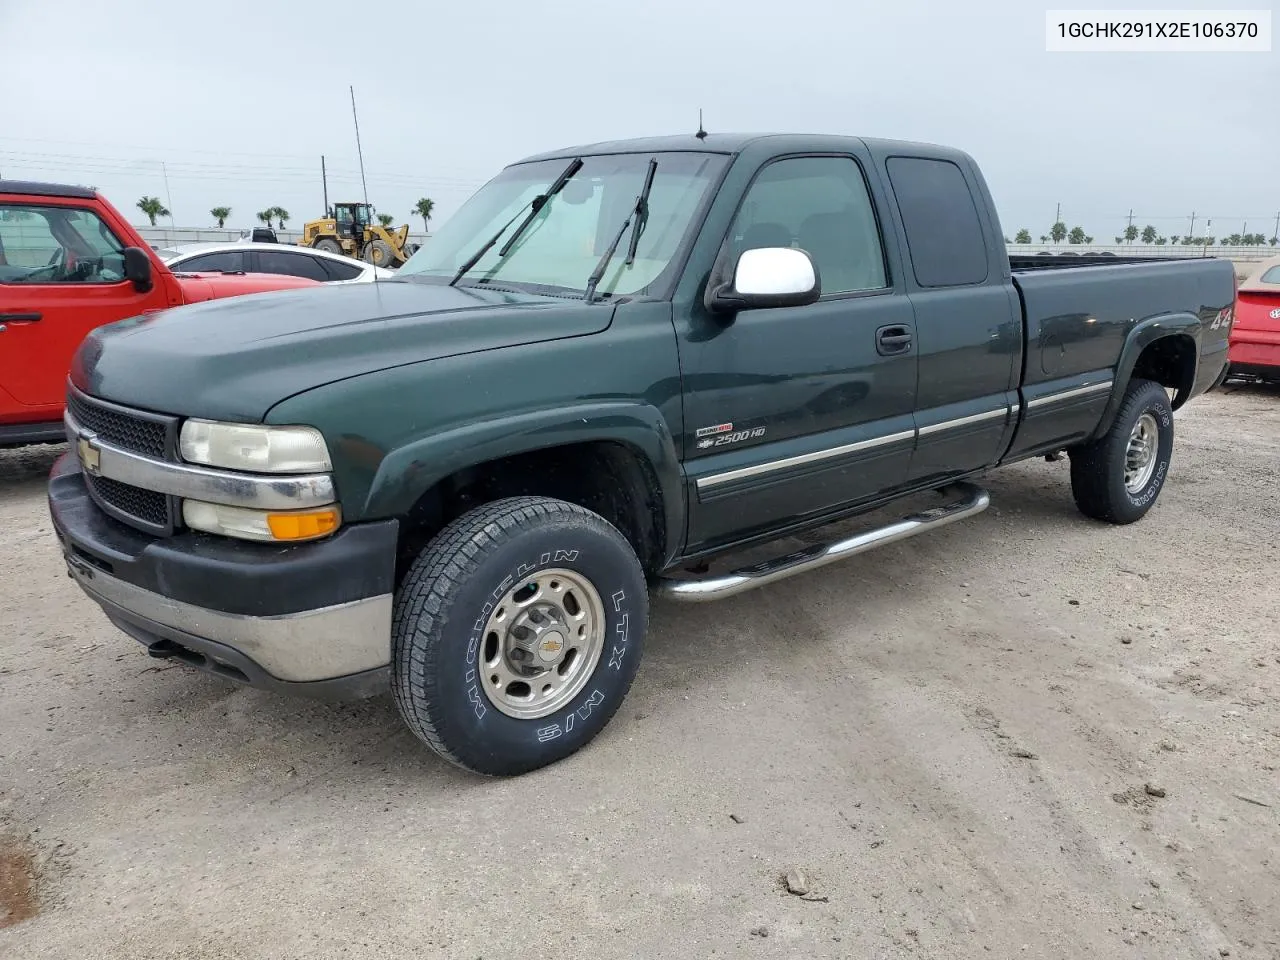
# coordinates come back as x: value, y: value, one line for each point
x: 1028, y: 735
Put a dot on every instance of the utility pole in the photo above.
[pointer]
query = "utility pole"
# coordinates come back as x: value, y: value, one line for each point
x: 1276, y: 232
x: 324, y: 179
x: 1192, y: 232
x: 1131, y: 216
x: 1057, y: 214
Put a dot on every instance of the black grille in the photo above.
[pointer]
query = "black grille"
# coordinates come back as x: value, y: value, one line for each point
x: 145, y: 505
x: 132, y: 432
x: 137, y: 431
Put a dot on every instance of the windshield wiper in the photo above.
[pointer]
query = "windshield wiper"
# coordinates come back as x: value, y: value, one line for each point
x: 640, y: 215
x: 536, y: 204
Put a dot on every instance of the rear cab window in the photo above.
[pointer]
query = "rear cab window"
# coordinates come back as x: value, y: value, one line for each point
x: 1271, y: 276
x: 57, y: 244
x: 944, y: 232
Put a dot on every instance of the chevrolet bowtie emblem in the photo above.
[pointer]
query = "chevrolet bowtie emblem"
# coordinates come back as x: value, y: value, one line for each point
x: 90, y: 455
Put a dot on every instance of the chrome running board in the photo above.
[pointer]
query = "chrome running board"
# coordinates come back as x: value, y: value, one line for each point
x: 975, y: 501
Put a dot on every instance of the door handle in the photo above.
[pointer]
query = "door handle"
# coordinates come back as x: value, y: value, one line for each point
x: 893, y: 340
x: 19, y: 317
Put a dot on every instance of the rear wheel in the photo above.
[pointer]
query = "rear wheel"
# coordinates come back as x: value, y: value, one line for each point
x: 1118, y: 477
x: 517, y: 634
x: 379, y: 253
x: 328, y: 246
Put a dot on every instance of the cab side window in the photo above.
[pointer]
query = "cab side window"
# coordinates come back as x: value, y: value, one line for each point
x: 57, y: 245
x: 820, y: 205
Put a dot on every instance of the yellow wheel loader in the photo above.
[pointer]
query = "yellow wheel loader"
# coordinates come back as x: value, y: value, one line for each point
x: 351, y: 230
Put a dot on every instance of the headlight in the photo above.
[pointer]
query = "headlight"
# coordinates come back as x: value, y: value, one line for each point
x: 255, y: 448
x: 276, y: 526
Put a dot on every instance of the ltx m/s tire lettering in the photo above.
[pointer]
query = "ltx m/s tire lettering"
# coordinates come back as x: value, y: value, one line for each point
x: 517, y: 634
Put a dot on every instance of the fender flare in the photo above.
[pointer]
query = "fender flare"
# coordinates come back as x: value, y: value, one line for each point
x: 408, y: 472
x: 1145, y: 333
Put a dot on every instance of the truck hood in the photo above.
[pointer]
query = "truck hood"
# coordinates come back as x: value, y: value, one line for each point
x: 234, y: 359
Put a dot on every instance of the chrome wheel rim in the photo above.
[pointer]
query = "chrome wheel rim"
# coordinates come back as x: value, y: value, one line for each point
x: 541, y: 643
x: 1141, y: 454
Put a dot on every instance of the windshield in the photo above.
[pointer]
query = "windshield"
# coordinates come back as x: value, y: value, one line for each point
x: 566, y: 239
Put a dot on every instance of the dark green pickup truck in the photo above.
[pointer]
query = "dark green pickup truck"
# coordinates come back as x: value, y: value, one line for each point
x: 613, y: 363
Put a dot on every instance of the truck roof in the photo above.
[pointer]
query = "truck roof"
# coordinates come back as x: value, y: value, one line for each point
x: 34, y: 188
x: 730, y: 143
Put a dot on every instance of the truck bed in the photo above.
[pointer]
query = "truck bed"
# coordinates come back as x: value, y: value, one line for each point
x: 1079, y: 313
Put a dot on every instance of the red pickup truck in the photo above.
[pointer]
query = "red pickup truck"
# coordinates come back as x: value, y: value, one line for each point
x: 69, y: 262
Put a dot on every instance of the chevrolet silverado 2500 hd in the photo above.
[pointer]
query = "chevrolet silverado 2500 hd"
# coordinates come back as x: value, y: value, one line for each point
x: 69, y: 262
x: 613, y: 363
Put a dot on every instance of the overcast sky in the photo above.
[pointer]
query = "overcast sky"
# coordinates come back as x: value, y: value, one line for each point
x: 240, y: 99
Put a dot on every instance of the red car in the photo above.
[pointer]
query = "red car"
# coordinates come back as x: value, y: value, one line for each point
x: 70, y: 262
x: 1255, y: 337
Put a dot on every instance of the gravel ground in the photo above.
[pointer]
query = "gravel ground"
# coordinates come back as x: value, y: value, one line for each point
x: 1028, y: 735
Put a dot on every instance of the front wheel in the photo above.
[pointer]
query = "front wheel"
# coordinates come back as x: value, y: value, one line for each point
x: 379, y: 253
x: 1118, y: 477
x: 517, y: 634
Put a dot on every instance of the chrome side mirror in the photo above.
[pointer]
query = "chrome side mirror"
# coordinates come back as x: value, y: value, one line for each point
x: 768, y: 277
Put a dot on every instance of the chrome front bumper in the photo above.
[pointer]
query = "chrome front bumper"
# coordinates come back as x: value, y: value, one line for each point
x: 320, y: 644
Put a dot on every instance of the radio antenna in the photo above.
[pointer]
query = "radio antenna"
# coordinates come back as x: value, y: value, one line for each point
x: 701, y: 134
x: 360, y: 153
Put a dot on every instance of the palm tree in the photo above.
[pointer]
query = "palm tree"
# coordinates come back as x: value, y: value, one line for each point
x: 1022, y: 236
x: 281, y: 215
x: 423, y: 208
x: 266, y: 215
x: 386, y: 219
x: 153, y: 208
x: 220, y: 214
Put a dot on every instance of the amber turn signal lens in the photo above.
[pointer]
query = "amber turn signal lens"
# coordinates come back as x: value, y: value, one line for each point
x: 303, y: 526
